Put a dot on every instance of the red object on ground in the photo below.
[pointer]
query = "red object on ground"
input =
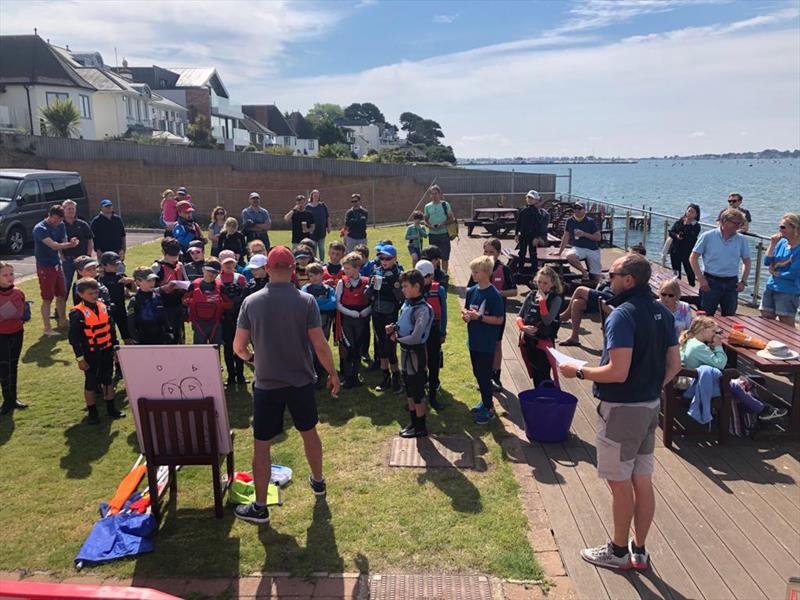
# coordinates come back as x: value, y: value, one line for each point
x: 46, y: 591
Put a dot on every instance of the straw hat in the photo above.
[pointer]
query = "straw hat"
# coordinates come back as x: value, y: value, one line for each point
x: 776, y: 350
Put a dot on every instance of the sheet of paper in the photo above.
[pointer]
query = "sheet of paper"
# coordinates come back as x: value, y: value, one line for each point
x: 564, y: 359
x: 182, y: 285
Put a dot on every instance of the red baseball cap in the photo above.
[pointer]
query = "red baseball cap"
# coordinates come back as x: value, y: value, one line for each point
x: 280, y: 257
x: 184, y: 206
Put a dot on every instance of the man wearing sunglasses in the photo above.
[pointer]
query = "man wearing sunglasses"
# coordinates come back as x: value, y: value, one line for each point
x: 735, y: 201
x: 355, y: 222
x: 640, y: 354
x: 721, y: 250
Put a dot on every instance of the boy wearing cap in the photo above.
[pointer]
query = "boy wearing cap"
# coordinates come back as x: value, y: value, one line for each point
x: 168, y: 270
x: 583, y: 234
x: 108, y: 231
x: 207, y: 304
x: 436, y: 297
x: 302, y: 257
x: 333, y: 269
x: 92, y: 337
x: 386, y: 297
x: 186, y: 230
x: 254, y: 248
x: 194, y: 260
x: 257, y: 267
x: 147, y: 320
x: 86, y: 267
x: 352, y: 330
x: 256, y: 221
x: 118, y: 289
x: 233, y: 286
x: 531, y: 230
x: 411, y: 331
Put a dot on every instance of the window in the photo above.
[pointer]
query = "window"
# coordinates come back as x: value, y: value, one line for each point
x: 138, y: 110
x: 55, y: 190
x: 73, y: 188
x: 129, y: 106
x: 162, y: 83
x: 53, y: 96
x: 86, y: 107
x: 29, y: 193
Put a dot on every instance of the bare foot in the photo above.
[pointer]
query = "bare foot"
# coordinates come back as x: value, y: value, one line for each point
x: 50, y: 332
x: 570, y: 342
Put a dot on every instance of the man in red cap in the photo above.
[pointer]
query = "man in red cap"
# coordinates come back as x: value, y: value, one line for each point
x: 283, y: 326
x: 186, y: 230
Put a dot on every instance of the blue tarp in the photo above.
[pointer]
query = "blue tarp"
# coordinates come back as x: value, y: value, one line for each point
x: 118, y: 536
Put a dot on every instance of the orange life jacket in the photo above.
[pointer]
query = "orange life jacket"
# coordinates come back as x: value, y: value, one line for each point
x: 96, y: 326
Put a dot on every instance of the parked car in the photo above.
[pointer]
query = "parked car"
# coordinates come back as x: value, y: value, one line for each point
x: 25, y: 197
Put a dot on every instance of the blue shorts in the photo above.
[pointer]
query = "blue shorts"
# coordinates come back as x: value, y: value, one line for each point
x: 780, y: 303
x: 593, y: 298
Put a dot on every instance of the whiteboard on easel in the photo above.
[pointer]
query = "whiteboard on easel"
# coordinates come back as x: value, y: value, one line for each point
x: 179, y: 372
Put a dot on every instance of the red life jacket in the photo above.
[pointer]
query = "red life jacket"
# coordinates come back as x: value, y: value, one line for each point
x: 498, y: 280
x: 332, y: 280
x: 433, y: 300
x: 12, y: 307
x: 169, y: 272
x: 205, y: 306
x: 353, y: 297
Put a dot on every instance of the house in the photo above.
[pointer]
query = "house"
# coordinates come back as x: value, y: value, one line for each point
x: 272, y: 118
x: 32, y: 76
x: 260, y: 136
x: 202, y: 92
x: 307, y: 142
x: 371, y: 136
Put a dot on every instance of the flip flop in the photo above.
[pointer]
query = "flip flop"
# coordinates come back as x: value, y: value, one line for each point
x: 569, y: 342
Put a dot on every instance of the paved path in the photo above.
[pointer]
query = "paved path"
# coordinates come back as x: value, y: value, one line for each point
x: 25, y: 266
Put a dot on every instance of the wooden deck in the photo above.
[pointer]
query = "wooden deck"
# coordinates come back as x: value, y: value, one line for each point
x: 727, y: 521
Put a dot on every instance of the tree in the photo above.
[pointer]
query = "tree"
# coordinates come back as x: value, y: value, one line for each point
x: 364, y: 113
x: 439, y: 153
x: 329, y: 132
x: 337, y: 150
x: 199, y: 133
x: 420, y: 131
x: 61, y: 119
x: 322, y: 111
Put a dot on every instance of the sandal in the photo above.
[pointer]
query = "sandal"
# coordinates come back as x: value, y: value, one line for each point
x: 569, y: 342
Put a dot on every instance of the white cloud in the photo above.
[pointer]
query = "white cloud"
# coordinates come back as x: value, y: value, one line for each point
x: 595, y: 14
x: 366, y: 3
x: 631, y: 98
x: 444, y: 19
x: 697, y: 134
x: 243, y: 40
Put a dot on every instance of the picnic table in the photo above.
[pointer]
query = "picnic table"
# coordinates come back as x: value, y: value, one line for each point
x: 544, y: 255
x: 499, y: 221
x: 659, y: 275
x: 767, y: 330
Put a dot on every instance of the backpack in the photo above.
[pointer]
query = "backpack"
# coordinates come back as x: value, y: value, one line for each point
x: 452, y: 228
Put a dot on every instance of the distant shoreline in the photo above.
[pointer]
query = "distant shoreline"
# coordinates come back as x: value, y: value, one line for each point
x: 549, y: 162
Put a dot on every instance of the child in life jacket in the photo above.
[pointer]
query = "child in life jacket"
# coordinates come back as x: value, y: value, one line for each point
x: 233, y: 287
x: 257, y: 267
x: 436, y: 297
x: 14, y: 313
x: 503, y: 281
x: 207, y: 303
x: 538, y: 323
x: 147, y: 320
x: 414, y: 322
x: 352, y: 319
x: 333, y: 269
x: 92, y: 337
x: 325, y: 296
x: 169, y: 271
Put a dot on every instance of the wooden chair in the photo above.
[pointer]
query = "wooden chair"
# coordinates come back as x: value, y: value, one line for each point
x: 182, y: 432
x: 674, y: 407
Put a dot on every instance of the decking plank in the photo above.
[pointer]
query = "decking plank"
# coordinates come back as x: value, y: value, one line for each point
x: 776, y: 467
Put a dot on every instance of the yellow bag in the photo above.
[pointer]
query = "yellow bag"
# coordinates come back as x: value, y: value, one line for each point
x: 452, y: 228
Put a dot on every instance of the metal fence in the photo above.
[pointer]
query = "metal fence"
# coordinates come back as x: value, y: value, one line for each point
x: 631, y: 225
x: 455, y: 179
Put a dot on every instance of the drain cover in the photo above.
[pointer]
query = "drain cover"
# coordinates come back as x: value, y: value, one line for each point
x: 430, y: 587
x: 433, y: 451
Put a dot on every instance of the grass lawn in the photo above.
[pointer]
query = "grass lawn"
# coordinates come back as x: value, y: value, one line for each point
x: 56, y: 469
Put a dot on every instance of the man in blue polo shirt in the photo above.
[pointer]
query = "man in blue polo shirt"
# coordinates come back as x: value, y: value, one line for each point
x: 721, y: 249
x: 640, y: 354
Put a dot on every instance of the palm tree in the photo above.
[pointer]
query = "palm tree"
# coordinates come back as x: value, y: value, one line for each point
x: 61, y: 119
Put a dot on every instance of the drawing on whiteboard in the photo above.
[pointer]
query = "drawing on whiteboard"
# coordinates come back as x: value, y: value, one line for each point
x: 191, y: 388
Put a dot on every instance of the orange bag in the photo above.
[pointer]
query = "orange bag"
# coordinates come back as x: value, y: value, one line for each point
x: 740, y: 338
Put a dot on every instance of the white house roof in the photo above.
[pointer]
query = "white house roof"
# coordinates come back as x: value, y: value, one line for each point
x: 200, y: 77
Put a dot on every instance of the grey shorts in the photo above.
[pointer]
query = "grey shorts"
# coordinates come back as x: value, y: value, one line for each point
x: 626, y: 439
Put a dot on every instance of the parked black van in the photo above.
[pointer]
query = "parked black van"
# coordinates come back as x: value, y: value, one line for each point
x: 25, y: 197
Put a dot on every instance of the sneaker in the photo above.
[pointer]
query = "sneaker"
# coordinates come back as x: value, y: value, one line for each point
x: 603, y: 556
x: 252, y: 514
x: 477, y: 408
x: 640, y: 562
x: 318, y: 487
x: 771, y: 413
x: 483, y: 416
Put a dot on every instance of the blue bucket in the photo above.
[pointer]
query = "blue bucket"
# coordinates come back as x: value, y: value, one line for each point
x: 548, y: 412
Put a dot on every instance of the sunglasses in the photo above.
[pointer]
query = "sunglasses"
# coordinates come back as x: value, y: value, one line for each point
x: 219, y: 214
x: 612, y: 274
x: 665, y: 295
x: 733, y: 201
x: 386, y: 258
x: 718, y: 331
x: 354, y: 201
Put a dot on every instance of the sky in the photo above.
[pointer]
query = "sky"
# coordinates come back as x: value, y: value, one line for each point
x: 544, y: 78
